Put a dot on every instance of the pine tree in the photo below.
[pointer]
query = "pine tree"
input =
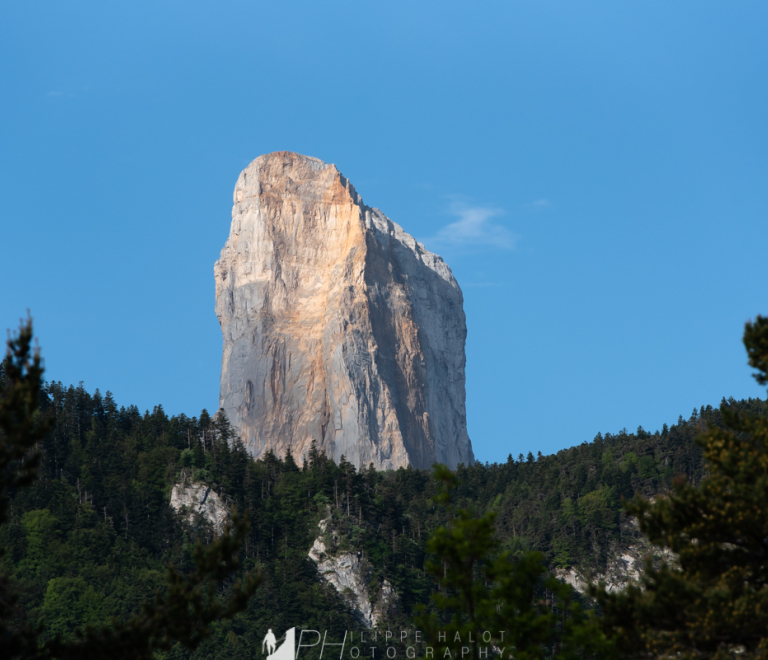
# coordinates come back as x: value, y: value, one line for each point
x: 713, y: 601
x: 191, y: 602
x: 489, y: 599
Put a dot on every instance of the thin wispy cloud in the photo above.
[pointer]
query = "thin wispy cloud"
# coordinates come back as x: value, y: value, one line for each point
x: 474, y: 227
x: 541, y: 204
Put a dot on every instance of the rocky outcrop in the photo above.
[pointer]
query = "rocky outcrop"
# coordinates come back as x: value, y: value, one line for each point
x: 624, y: 564
x: 195, y: 501
x: 348, y: 573
x: 339, y: 328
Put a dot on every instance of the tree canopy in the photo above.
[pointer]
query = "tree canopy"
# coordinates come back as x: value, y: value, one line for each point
x: 181, y: 614
x: 89, y: 530
x: 712, y: 602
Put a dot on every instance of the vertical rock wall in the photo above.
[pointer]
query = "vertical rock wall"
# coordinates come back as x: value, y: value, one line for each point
x: 339, y: 327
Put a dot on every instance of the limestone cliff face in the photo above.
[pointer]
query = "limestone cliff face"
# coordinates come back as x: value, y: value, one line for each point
x: 198, y: 499
x: 338, y: 326
x: 349, y: 573
x: 625, y: 562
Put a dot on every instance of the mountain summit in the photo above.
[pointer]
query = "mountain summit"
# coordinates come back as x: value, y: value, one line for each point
x: 339, y: 327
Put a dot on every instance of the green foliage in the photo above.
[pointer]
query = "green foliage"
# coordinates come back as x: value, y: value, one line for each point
x: 105, y: 475
x: 70, y: 602
x: 39, y: 529
x: 756, y: 343
x: 488, y: 599
x: 182, y: 614
x: 712, y: 602
x: 21, y: 428
x: 597, y: 509
x: 563, y: 557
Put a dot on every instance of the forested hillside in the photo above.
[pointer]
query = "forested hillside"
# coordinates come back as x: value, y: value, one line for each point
x: 92, y: 536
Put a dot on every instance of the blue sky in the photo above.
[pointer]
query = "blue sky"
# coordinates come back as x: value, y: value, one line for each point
x: 595, y: 173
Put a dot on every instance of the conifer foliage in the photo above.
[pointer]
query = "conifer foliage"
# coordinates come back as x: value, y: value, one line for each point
x: 21, y: 429
x: 182, y: 614
x: 90, y: 537
x: 713, y: 603
x: 490, y: 598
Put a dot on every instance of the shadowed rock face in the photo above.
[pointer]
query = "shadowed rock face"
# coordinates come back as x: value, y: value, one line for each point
x: 338, y: 326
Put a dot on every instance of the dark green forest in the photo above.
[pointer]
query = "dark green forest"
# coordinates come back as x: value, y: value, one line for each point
x: 91, y: 537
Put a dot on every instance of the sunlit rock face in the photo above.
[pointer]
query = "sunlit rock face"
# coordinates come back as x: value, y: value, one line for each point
x: 197, y: 499
x: 350, y: 574
x: 339, y: 327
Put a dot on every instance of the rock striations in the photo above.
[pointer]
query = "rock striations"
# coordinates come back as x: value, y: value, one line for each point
x: 339, y: 328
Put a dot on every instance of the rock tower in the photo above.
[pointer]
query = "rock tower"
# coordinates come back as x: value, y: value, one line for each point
x: 339, y: 327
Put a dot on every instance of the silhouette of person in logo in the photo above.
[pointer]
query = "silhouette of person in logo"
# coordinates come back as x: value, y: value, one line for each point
x: 270, y: 642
